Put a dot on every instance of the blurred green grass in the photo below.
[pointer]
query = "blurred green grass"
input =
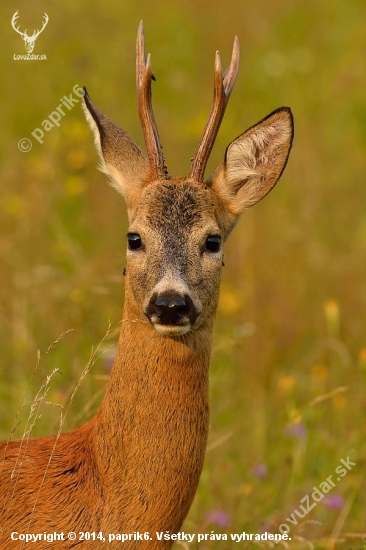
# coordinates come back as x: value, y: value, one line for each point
x: 291, y: 321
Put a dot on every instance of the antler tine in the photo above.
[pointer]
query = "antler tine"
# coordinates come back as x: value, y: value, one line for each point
x: 223, y: 85
x: 144, y: 75
x: 15, y: 17
x: 44, y: 23
x: 13, y: 22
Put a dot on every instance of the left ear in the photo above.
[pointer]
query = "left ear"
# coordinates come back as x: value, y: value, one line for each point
x: 120, y: 157
x: 254, y: 162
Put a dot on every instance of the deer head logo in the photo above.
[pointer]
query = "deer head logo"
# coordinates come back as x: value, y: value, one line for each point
x: 29, y: 40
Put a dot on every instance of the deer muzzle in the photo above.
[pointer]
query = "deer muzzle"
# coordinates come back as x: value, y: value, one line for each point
x: 171, y: 313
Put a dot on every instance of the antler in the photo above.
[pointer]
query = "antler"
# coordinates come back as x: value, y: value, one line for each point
x: 37, y: 32
x: 13, y: 21
x: 144, y: 75
x: 223, y: 85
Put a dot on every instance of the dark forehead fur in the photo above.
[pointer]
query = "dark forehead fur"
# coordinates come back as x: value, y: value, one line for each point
x: 179, y: 204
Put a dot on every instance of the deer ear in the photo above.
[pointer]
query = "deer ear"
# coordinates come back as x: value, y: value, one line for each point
x: 120, y: 157
x: 254, y: 162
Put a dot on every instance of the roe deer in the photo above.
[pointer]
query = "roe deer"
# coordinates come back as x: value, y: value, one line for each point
x: 135, y: 466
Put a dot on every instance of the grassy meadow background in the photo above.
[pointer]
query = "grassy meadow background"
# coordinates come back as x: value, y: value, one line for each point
x: 288, y: 374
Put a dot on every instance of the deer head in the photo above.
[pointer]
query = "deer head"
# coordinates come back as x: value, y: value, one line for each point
x: 177, y: 226
x: 29, y: 40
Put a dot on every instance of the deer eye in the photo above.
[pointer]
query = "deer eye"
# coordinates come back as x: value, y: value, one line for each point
x: 134, y: 241
x: 213, y: 243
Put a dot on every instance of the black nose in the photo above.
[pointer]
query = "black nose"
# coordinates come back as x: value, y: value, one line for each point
x: 171, y: 308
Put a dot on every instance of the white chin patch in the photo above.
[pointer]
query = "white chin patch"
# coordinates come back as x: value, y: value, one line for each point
x: 172, y: 330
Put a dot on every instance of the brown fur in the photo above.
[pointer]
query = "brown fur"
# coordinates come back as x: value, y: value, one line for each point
x: 135, y: 466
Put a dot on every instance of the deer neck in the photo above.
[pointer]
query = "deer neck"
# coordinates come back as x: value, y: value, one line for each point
x: 153, y: 423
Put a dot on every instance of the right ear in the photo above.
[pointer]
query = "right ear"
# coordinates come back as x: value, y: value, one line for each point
x: 254, y: 162
x: 121, y: 158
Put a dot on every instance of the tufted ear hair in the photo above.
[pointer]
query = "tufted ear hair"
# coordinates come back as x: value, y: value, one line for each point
x: 120, y: 157
x: 254, y: 162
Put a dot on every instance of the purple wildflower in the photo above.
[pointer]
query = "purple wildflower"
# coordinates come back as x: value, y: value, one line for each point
x: 218, y: 517
x: 260, y: 470
x: 296, y: 429
x: 333, y: 501
x: 108, y: 359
